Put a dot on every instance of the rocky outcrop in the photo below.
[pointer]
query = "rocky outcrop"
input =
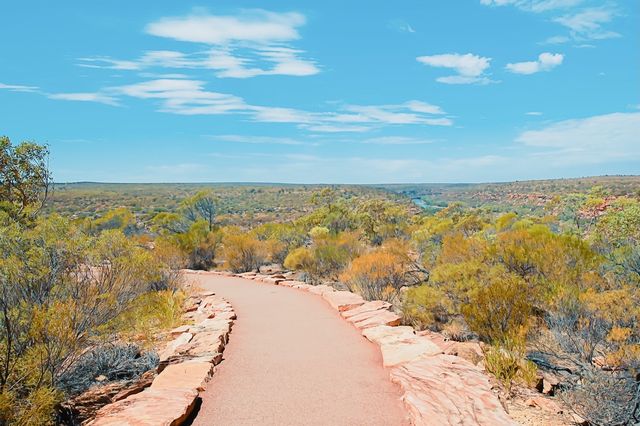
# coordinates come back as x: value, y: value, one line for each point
x: 186, y: 365
x: 84, y: 406
x: 441, y: 381
x: 447, y: 390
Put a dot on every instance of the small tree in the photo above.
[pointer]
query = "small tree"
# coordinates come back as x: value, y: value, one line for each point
x: 202, y: 205
x: 24, y: 177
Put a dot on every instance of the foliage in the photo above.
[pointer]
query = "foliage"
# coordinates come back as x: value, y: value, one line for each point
x: 500, y: 309
x: 121, y: 219
x: 62, y: 289
x: 426, y: 306
x: 24, y: 178
x: 382, y: 273
x: 327, y: 255
x: 201, y: 206
x: 58, y: 286
x: 146, y: 315
x: 605, y: 398
x: 242, y: 252
x: 113, y: 362
x: 507, y: 363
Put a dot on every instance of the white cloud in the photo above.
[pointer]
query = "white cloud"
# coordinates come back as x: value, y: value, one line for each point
x: 545, y: 62
x: 397, y: 140
x: 257, y: 26
x: 419, y: 106
x: 536, y: 6
x: 594, y: 139
x: 18, y: 88
x: 588, y: 24
x: 357, y: 118
x: 557, y: 40
x: 470, y: 68
x: 334, y: 128
x: 534, y: 113
x: 250, y: 44
x: 101, y: 98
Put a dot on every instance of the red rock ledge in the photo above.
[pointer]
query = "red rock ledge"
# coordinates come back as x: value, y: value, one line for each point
x: 186, y: 365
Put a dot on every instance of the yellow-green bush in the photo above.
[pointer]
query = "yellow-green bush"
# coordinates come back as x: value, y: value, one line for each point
x: 147, y: 315
x: 508, y: 365
x: 243, y: 252
x: 425, y: 307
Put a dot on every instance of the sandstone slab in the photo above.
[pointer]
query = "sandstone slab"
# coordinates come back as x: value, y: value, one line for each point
x: 343, y: 300
x: 448, y: 390
x: 153, y: 407
x: 375, y: 318
x: 192, y: 374
x: 320, y: 289
x: 171, y: 348
x: 374, y: 305
x: 400, y: 344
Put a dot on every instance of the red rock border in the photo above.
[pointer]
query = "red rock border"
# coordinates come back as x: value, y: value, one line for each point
x: 186, y: 365
x: 438, y: 388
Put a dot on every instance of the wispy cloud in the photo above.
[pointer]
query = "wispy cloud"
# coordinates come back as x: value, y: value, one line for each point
x: 596, y: 139
x: 588, y: 24
x: 250, y: 44
x: 257, y: 26
x: 536, y: 6
x: 583, y: 22
x: 190, y: 97
x: 545, y: 62
x: 397, y: 140
x: 101, y: 98
x: 18, y: 88
x: 470, y: 67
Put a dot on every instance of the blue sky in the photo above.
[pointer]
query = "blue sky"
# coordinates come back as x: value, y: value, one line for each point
x: 324, y: 92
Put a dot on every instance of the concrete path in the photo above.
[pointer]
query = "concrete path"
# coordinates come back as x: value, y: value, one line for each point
x: 292, y: 360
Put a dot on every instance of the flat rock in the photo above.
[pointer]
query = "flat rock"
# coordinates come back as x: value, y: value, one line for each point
x: 448, y: 390
x: 179, y: 330
x: 375, y: 318
x: 386, y: 334
x: 291, y: 283
x: 400, y: 344
x: 545, y: 404
x: 405, y: 351
x: 367, y: 307
x: 153, y: 407
x: 192, y: 374
x: 171, y: 348
x: 320, y: 289
x: 343, y: 300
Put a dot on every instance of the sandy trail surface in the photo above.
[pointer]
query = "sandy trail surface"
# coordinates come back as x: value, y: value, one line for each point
x: 292, y: 360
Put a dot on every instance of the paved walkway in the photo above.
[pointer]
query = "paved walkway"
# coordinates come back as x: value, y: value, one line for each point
x: 292, y: 360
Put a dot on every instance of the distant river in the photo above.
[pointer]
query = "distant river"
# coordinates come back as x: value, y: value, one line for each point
x: 424, y: 205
